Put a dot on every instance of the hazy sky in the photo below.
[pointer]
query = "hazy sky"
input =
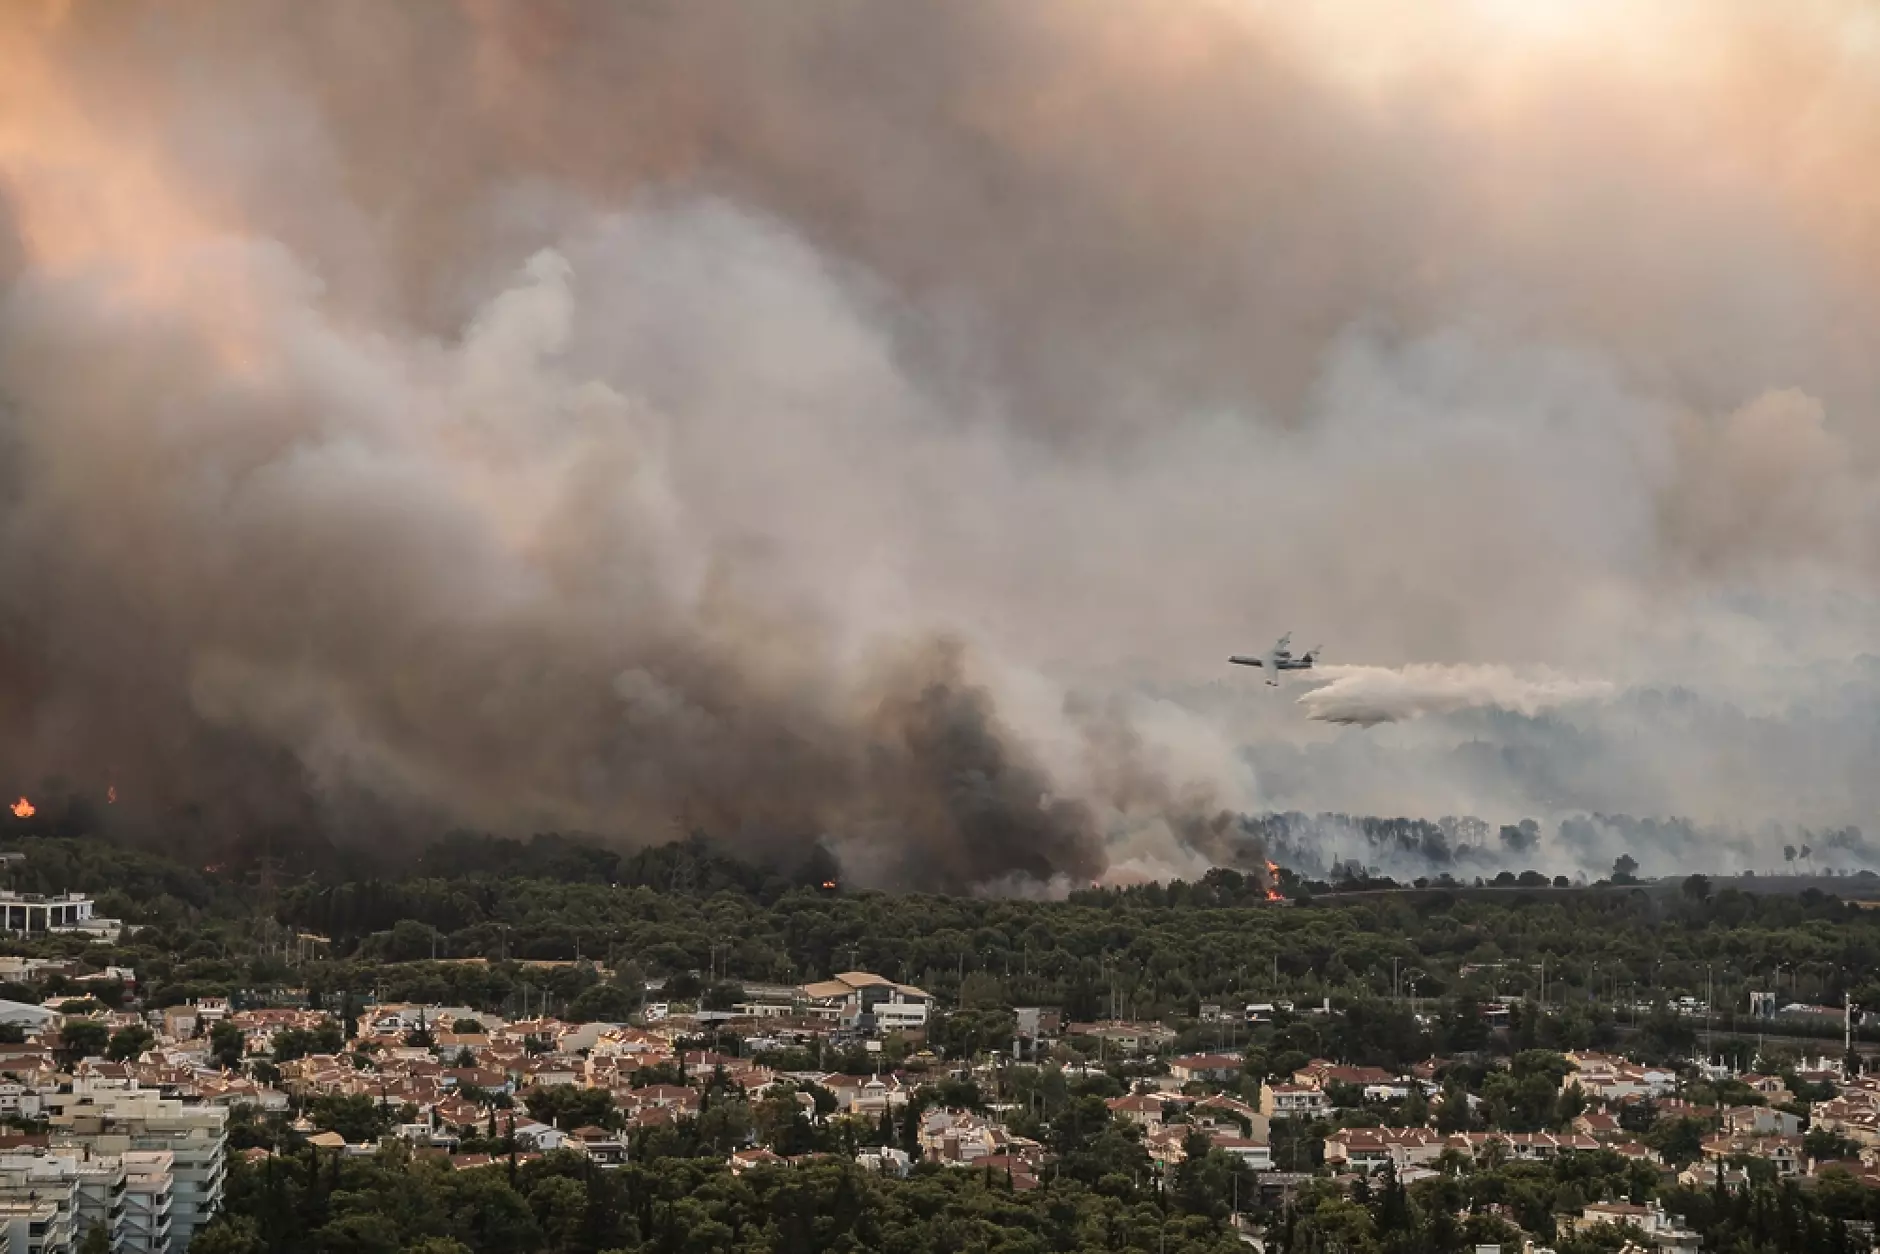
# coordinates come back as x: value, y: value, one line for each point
x: 875, y: 424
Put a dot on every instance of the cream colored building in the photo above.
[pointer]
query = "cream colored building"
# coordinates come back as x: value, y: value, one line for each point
x: 865, y: 1001
x: 34, y: 1227
x: 148, y: 1217
x: 115, y: 1117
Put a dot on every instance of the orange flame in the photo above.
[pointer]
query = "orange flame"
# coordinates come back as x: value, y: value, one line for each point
x: 110, y: 795
x: 1272, y: 882
x: 24, y: 809
x: 829, y: 883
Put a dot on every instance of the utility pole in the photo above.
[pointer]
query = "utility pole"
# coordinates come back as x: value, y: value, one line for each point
x: 1710, y: 1011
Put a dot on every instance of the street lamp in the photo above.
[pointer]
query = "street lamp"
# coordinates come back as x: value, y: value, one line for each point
x: 1413, y: 975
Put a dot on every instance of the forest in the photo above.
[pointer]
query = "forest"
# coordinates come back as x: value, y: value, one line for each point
x: 677, y: 1196
x: 1585, y: 966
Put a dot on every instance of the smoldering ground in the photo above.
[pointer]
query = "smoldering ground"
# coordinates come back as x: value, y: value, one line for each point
x: 792, y: 422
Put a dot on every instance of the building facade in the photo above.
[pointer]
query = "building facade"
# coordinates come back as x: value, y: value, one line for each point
x: 115, y: 1117
x: 33, y: 913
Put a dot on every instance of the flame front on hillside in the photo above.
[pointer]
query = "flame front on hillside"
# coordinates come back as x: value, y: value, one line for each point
x: 24, y: 809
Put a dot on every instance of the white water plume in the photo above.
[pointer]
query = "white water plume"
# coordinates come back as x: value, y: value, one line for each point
x: 1365, y: 696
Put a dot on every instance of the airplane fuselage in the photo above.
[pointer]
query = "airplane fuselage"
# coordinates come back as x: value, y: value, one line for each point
x: 1280, y: 659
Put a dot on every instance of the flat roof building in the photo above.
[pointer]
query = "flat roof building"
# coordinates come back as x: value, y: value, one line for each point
x: 29, y: 913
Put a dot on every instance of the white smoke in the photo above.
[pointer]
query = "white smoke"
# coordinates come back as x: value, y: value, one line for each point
x: 1365, y: 696
x: 818, y: 454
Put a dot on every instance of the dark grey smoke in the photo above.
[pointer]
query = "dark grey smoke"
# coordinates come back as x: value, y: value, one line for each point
x: 959, y: 802
x: 837, y: 423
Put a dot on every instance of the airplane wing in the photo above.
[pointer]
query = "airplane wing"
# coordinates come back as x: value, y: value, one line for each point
x: 1270, y: 664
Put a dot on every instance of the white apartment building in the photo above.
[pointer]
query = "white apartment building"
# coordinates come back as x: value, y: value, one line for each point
x: 18, y: 1100
x: 87, y: 1188
x: 25, y: 1198
x: 114, y: 1117
x: 100, y: 1179
x: 147, y: 1224
x: 901, y: 1016
x: 34, y: 1227
x: 29, y: 913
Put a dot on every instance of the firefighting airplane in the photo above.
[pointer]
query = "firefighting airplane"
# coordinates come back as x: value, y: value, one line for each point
x: 1278, y: 659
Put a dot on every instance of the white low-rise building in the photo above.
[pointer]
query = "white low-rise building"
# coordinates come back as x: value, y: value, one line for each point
x: 886, y: 1161
x: 36, y: 913
x: 863, y: 1001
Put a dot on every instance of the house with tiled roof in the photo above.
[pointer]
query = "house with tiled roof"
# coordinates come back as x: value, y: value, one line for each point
x: 1204, y: 1068
x: 1021, y: 1171
x: 673, y: 1098
x: 1225, y: 1114
x: 599, y: 1146
x: 1369, y: 1149
x: 1598, y: 1124
x: 864, y: 1001
x: 745, y: 1159
x: 1523, y: 1146
x: 1662, y: 1229
x: 1761, y: 1121
x: 1375, y: 1083
x: 1142, y: 1109
x: 1293, y: 1101
x: 1784, y: 1152
x: 1855, y: 1115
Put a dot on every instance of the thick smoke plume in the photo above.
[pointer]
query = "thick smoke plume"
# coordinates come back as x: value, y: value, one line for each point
x: 871, y: 425
x: 1365, y: 696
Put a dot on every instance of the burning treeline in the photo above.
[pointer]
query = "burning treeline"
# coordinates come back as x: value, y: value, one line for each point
x: 814, y: 457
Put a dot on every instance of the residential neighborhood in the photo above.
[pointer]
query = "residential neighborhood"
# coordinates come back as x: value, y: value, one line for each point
x: 145, y: 1104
